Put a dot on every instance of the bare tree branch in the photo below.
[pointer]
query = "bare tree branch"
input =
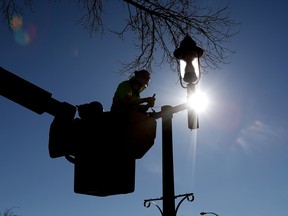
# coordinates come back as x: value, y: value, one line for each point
x: 8, y: 212
x: 209, y: 28
x: 10, y: 8
x: 159, y: 26
x: 92, y: 18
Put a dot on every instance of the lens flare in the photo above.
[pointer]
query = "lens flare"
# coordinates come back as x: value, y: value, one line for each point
x: 32, y: 32
x: 22, y: 37
x: 198, y: 101
x: 16, y: 22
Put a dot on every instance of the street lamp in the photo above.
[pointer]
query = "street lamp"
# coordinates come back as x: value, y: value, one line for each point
x: 204, y: 213
x: 189, y: 55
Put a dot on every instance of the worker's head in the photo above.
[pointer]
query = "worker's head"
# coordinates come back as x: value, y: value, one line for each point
x: 142, y: 76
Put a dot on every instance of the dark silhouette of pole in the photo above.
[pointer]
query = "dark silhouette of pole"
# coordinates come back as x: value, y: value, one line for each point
x: 167, y: 163
x: 167, y: 159
x: 168, y: 197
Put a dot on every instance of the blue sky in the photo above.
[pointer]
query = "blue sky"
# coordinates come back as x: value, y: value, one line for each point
x: 235, y: 163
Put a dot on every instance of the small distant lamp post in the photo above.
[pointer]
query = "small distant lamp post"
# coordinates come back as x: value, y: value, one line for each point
x: 188, y: 55
x: 204, y: 213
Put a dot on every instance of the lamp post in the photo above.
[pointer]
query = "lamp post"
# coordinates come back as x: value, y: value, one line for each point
x: 204, y: 213
x: 188, y: 54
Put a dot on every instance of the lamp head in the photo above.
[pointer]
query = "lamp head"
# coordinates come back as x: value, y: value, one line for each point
x: 188, y: 53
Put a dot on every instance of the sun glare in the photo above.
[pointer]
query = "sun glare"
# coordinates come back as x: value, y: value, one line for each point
x: 198, y: 101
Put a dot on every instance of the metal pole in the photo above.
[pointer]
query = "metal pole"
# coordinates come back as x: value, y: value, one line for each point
x: 168, y: 197
x: 167, y: 163
x: 193, y: 122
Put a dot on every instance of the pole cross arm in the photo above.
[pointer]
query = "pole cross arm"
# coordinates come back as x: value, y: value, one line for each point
x: 188, y: 196
x: 31, y: 96
x: 169, y: 111
x: 148, y: 202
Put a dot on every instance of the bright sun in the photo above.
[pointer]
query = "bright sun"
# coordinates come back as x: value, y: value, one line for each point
x: 198, y: 101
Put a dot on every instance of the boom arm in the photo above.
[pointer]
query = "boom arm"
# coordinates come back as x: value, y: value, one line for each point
x: 31, y: 96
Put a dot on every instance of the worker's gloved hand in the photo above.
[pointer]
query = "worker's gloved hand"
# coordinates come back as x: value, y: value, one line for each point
x: 150, y: 101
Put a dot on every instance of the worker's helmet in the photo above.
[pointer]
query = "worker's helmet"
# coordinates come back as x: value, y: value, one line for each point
x: 143, y: 76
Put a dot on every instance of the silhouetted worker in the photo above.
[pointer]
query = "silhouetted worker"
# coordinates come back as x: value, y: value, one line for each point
x: 127, y: 96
